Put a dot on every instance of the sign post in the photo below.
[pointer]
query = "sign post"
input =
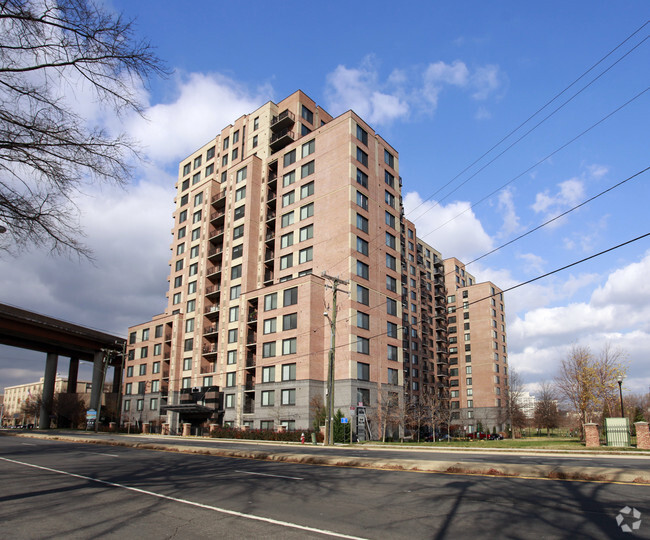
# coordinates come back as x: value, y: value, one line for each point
x: 91, y: 419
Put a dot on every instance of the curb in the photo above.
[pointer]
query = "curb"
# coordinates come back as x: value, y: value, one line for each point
x: 590, y: 474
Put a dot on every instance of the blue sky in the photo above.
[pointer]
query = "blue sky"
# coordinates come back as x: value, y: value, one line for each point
x: 442, y: 82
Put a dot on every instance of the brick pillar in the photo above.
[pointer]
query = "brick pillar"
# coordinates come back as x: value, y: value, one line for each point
x: 642, y: 435
x: 592, y: 438
x: 145, y: 428
x: 187, y: 429
x: 165, y: 429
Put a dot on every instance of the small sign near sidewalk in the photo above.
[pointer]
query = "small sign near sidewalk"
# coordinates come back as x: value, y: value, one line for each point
x: 91, y: 418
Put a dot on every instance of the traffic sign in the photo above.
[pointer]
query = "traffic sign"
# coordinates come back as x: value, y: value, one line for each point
x: 344, y: 420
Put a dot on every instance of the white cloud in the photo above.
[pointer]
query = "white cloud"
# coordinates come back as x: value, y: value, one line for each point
x: 510, y: 219
x: 358, y: 89
x: 618, y: 312
x: 205, y: 103
x: 534, y: 264
x: 486, y: 80
x: 452, y: 229
x: 570, y: 193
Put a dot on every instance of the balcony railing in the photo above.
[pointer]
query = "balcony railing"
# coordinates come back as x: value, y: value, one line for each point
x: 284, y: 119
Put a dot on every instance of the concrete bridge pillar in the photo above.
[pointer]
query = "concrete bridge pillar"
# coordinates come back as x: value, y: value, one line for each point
x: 73, y: 373
x: 98, y: 379
x: 47, y: 397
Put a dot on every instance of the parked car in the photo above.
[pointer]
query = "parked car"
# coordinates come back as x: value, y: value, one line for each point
x: 496, y: 437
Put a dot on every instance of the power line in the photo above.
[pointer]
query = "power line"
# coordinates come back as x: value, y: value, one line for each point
x: 560, y: 148
x: 559, y: 216
x: 532, y: 116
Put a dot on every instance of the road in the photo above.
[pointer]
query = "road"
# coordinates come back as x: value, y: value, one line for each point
x: 90, y: 491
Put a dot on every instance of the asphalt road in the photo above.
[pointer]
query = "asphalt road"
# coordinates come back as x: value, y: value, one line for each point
x: 620, y: 461
x: 59, y: 489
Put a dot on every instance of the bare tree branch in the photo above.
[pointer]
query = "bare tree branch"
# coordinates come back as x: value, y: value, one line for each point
x: 48, y: 50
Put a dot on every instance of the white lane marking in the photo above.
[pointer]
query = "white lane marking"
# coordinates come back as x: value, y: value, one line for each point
x: 190, y: 503
x: 97, y: 453
x: 273, y: 475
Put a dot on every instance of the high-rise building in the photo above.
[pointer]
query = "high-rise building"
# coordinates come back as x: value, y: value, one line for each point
x: 288, y: 220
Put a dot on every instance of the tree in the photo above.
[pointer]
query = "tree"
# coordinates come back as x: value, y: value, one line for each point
x: 546, y: 412
x: 436, y: 405
x: 516, y: 416
x: 70, y: 409
x: 51, y: 52
x: 340, y: 431
x: 585, y: 381
x: 318, y: 412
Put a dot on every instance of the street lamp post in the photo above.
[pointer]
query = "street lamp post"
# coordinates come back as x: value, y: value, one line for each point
x: 620, y: 392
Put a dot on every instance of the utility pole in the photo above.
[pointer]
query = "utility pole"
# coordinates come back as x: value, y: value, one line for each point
x: 329, y: 427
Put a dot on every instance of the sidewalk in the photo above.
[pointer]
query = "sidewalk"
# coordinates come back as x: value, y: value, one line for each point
x: 322, y: 456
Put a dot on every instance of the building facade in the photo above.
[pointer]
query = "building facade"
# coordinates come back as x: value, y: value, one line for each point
x: 288, y: 220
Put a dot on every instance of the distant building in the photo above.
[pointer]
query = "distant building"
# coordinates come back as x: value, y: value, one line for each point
x: 15, y: 397
x: 266, y: 214
x: 527, y: 403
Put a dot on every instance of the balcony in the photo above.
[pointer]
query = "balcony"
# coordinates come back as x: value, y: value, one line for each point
x: 281, y: 139
x: 210, y: 350
x: 219, y: 196
x: 211, y: 271
x: 251, y: 338
x: 270, y: 236
x: 215, y: 253
x: 211, y: 312
x: 283, y: 120
x: 216, y: 234
x: 217, y: 216
x: 210, y: 330
x: 250, y: 360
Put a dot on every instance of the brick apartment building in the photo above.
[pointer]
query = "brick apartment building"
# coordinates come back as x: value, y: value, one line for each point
x: 267, y: 214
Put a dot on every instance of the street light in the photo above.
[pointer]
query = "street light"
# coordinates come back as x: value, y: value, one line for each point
x: 620, y: 391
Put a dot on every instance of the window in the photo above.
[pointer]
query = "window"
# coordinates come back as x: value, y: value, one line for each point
x: 362, y: 223
x: 239, y: 212
x: 177, y: 298
x: 390, y: 240
x: 230, y: 401
x: 233, y: 314
x: 196, y: 234
x: 182, y: 217
x: 305, y: 255
x: 362, y: 135
x: 392, y: 353
x: 362, y: 200
x: 155, y: 367
x: 179, y: 264
x: 189, y: 344
x: 391, y: 262
x: 209, y: 154
x: 232, y: 335
x: 256, y: 123
x: 389, y: 159
x: 288, y: 198
x: 226, y: 143
x: 255, y: 141
x: 289, y: 346
x: 286, y: 240
x: 194, y: 252
x: 181, y: 232
x: 289, y: 372
x: 290, y: 297
x: 362, y: 246
x: 287, y: 219
x: 391, y: 283
x: 362, y: 157
x: 237, y: 251
x: 187, y: 364
x: 307, y: 169
x: 268, y: 398
x: 391, y: 306
x: 308, y: 148
x: 307, y: 190
x: 390, y: 219
x: 363, y: 396
x: 289, y: 158
x: 240, y: 194
x: 235, y: 292
x: 198, y: 199
x: 363, y: 345
x: 390, y: 199
x: 307, y: 114
x: 306, y: 211
x: 268, y: 349
x: 363, y: 295
x: 238, y: 232
x: 362, y: 178
x: 363, y: 320
x: 191, y: 287
x: 139, y: 404
x: 153, y: 404
x: 197, y: 162
x: 389, y: 179
x: 391, y: 329
x: 186, y: 382
x: 129, y: 371
x: 393, y: 376
x: 191, y: 306
x: 270, y: 326
x: 230, y: 378
x: 235, y: 272
x: 286, y: 261
x: 224, y: 160
x: 231, y: 357
x: 194, y: 269
x: 363, y: 270
x: 306, y: 233
x: 270, y: 301
x: 363, y: 371
x: 288, y: 179
x: 235, y: 137
x: 186, y: 169
x: 289, y: 396
x: 144, y: 352
x: 268, y: 374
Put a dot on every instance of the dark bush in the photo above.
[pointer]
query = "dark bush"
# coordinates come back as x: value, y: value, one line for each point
x: 263, y: 434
